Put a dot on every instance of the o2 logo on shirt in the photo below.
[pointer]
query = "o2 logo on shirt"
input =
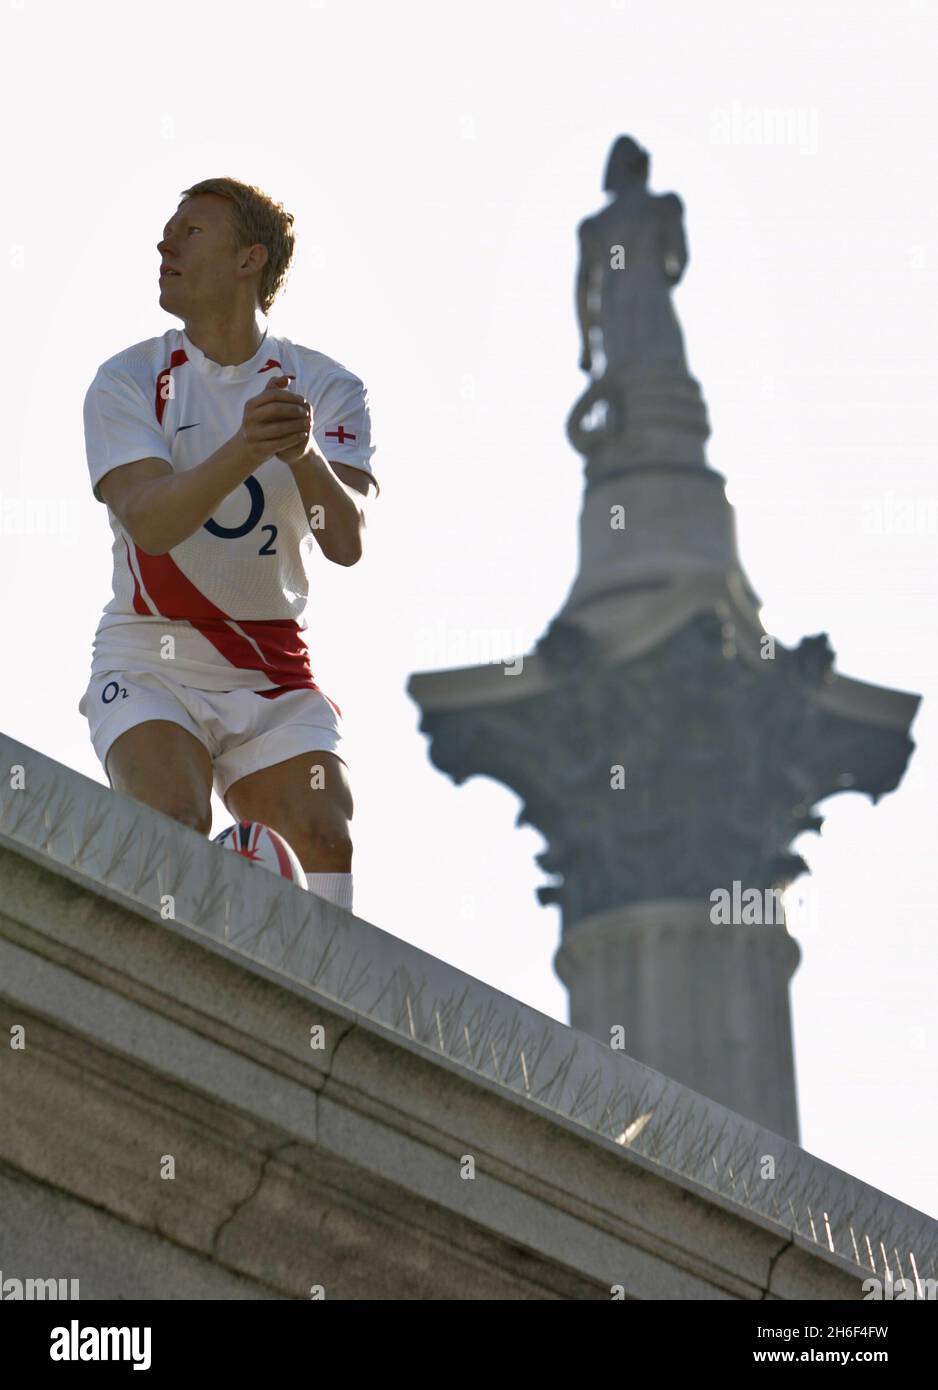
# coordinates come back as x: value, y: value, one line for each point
x: 232, y: 533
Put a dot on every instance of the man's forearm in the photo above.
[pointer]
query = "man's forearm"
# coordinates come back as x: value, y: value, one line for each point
x: 168, y: 510
x: 334, y: 516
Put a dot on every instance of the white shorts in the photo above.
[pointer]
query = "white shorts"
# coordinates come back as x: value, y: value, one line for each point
x: 242, y: 730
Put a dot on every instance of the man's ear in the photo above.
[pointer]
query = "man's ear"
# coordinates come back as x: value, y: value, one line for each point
x: 256, y: 257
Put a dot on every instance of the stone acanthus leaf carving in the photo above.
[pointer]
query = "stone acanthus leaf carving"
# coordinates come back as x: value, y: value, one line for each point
x: 720, y: 767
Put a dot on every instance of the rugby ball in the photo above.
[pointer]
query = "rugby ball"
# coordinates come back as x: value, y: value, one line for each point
x: 258, y: 844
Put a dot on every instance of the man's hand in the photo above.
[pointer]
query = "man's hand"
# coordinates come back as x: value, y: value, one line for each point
x: 276, y: 423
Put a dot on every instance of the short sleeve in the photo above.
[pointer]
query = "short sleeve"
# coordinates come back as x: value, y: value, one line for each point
x: 342, y: 423
x: 120, y: 425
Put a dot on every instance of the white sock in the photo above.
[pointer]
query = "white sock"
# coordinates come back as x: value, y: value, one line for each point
x: 335, y: 888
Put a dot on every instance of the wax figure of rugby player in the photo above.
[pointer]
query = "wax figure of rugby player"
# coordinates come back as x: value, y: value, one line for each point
x: 222, y: 455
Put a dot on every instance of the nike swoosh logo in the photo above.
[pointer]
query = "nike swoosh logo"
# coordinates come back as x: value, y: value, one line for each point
x: 188, y: 427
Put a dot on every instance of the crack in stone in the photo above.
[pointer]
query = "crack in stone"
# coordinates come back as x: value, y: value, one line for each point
x: 341, y: 1038
x: 240, y: 1205
x: 772, y: 1263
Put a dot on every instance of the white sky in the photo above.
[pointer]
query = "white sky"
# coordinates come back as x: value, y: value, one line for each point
x: 437, y: 158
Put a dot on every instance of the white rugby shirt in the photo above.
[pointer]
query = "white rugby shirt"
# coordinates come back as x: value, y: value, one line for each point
x: 233, y: 595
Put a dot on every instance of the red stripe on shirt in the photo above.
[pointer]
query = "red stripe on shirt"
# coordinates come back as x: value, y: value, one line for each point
x: 271, y: 363
x: 284, y: 657
x: 176, y: 360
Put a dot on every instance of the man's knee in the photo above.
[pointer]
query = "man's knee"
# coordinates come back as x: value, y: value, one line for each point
x: 200, y: 821
x: 185, y: 812
x: 335, y: 840
x: 327, y: 845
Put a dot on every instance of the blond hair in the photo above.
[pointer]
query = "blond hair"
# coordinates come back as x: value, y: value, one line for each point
x: 256, y: 218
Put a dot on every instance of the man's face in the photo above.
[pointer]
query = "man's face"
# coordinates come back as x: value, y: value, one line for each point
x: 197, y: 243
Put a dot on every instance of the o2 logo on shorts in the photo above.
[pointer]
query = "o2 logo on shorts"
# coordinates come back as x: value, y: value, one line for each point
x: 111, y: 691
x: 232, y: 533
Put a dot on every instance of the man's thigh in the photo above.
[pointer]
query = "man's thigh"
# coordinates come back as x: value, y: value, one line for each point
x: 307, y: 799
x: 164, y: 766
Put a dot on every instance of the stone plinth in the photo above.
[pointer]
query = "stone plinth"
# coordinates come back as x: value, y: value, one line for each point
x: 346, y: 1165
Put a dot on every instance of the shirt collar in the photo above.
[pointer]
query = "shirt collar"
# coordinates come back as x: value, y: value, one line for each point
x: 238, y: 371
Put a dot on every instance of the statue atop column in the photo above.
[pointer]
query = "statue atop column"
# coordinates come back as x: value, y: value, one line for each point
x: 642, y: 406
x: 632, y: 254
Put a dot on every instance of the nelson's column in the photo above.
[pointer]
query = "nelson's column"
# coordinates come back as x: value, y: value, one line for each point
x: 667, y: 748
